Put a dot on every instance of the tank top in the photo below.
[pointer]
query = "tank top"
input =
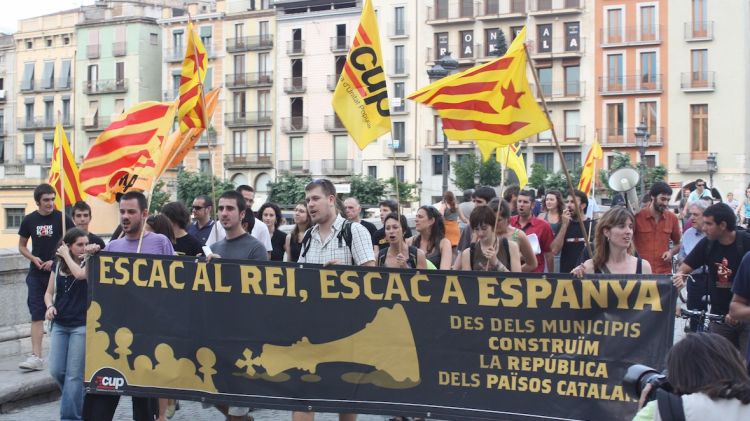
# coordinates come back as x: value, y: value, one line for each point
x: 479, y: 262
x: 295, y: 247
x: 555, y: 227
x: 450, y: 215
x: 638, y: 268
x: 434, y: 255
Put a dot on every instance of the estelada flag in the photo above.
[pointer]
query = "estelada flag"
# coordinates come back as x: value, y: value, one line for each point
x: 489, y: 102
x: 508, y: 157
x: 587, y: 174
x: 361, y: 98
x: 191, y: 112
x: 63, y: 171
x: 130, y: 147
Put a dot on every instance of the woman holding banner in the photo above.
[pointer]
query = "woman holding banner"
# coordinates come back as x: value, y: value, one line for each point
x: 66, y: 308
x: 513, y: 234
x: 491, y: 252
x: 613, y: 246
x: 398, y: 254
x: 302, y: 222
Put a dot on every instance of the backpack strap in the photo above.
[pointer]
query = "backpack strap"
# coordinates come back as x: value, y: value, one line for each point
x: 670, y: 406
x: 472, y: 251
x: 381, y: 256
x: 413, y: 256
x: 306, y: 241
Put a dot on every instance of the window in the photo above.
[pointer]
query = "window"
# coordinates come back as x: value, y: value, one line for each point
x: 441, y: 45
x: 13, y: 217
x: 264, y: 66
x: 615, y: 121
x: 239, y: 67
x: 263, y: 101
x: 239, y: 29
x: 372, y: 171
x: 263, y: 29
x: 66, y: 110
x: 29, y: 151
x: 572, y: 160
x: 439, y: 134
x: 543, y: 4
x: 698, y: 68
x: 400, y: 65
x: 340, y: 152
x: 545, y: 136
x: 572, y: 125
x: 205, y: 165
x: 296, y: 148
x: 238, y: 143
x: 153, y: 39
x: 647, y: 113
x: 467, y: 44
x: 517, y: 6
x: 614, y: 72
x: 649, y: 78
x: 92, y: 75
x: 119, y: 106
x: 573, y: 80
x: 49, y: 113
x: 700, y: 23
x: 65, y: 74
x: 238, y: 103
x: 120, y: 74
x: 264, y: 143
x: 400, y: 173
x: 614, y: 26
x: 545, y: 80
x: 467, y: 8
x: 27, y: 83
x: 398, y: 92
x: 399, y: 23
x: 176, y: 77
x: 206, y: 34
x: 648, y: 23
x: 48, y: 75
x: 437, y: 164
x: 48, y: 146
x: 29, y: 45
x: 492, y: 7
x: 546, y: 160
x: 66, y: 40
x: 177, y: 44
x: 29, y: 113
x: 441, y: 9
x: 399, y: 130
x: 699, y: 131
x: 208, y: 81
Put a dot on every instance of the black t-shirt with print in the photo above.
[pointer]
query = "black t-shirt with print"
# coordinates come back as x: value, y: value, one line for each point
x: 722, y: 262
x: 45, y: 231
x: 188, y: 245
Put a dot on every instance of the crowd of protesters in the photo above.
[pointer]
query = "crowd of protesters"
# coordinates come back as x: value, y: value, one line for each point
x: 520, y: 231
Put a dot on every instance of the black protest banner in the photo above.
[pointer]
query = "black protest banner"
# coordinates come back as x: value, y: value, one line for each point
x: 457, y: 345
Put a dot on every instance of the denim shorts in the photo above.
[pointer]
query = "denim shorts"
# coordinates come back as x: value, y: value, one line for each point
x: 37, y: 287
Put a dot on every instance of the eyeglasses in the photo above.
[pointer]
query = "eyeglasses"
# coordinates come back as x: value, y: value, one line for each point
x: 197, y: 208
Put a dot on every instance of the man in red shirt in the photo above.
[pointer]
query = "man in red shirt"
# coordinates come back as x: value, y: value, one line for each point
x: 655, y: 225
x: 537, y: 230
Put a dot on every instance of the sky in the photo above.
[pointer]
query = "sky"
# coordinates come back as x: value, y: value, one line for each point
x: 10, y: 15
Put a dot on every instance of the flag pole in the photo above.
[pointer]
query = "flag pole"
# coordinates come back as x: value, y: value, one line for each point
x: 61, y: 170
x: 502, y: 186
x: 148, y: 206
x: 559, y: 151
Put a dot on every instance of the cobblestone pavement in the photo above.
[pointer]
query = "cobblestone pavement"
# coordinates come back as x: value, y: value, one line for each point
x: 189, y: 411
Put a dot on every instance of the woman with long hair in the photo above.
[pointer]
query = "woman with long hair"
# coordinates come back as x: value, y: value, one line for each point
x: 613, y: 246
x: 553, y: 210
x: 398, y: 254
x: 449, y: 210
x: 302, y: 222
x: 430, y: 237
x: 270, y: 214
x: 65, y: 298
x: 160, y: 224
x: 491, y: 252
x: 718, y: 387
x: 504, y: 229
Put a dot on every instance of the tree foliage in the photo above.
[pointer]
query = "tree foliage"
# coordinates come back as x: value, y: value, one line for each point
x: 405, y: 190
x: 159, y: 197
x: 538, y: 175
x: 466, y: 168
x: 192, y: 184
x: 368, y: 190
x: 288, y: 189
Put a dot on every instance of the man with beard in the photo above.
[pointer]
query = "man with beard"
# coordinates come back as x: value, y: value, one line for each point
x: 133, y: 214
x: 537, y: 230
x: 697, y: 288
x: 570, y: 241
x: 655, y: 225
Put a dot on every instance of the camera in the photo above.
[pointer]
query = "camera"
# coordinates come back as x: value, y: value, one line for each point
x: 638, y: 376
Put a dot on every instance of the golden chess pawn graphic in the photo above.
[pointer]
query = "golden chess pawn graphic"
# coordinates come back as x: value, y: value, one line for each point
x: 386, y: 343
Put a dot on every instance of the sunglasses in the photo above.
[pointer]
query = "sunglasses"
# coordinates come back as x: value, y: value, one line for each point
x: 197, y: 208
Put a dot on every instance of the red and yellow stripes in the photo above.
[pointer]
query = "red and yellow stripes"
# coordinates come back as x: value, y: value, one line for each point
x: 191, y: 113
x: 63, y: 173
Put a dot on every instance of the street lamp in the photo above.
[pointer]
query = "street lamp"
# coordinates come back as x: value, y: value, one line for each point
x: 641, y: 139
x: 443, y: 67
x: 712, y: 167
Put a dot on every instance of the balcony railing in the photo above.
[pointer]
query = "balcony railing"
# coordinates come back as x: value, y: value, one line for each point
x: 558, y: 47
x: 397, y: 68
x: 301, y: 166
x: 33, y: 123
x: 105, y: 86
x: 294, y: 124
x: 39, y: 85
x: 692, y: 162
x: 177, y: 54
x: 248, y: 119
x: 119, y: 49
x: 631, y: 35
x: 699, y: 30
x: 498, y: 9
x: 94, y: 124
x: 340, y: 44
x: 248, y: 160
x: 457, y: 10
x: 295, y: 85
x: 92, y: 51
x: 625, y: 136
x: 560, y: 90
x: 554, y: 6
x: 249, y: 80
x: 337, y: 166
x: 332, y: 123
x: 332, y: 81
x: 697, y: 81
x: 634, y: 84
x: 250, y: 43
x: 398, y: 30
x: 295, y: 47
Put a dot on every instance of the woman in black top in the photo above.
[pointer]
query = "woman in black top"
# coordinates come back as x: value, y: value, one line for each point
x: 66, y: 307
x: 302, y: 222
x: 430, y: 237
x: 179, y: 216
x: 398, y: 254
x: 270, y: 214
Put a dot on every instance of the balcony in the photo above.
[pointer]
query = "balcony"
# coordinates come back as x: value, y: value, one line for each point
x: 208, y: 137
x: 699, y: 31
x: 631, y: 35
x: 692, y: 162
x: 554, y: 7
x: 332, y: 81
x: 332, y: 123
x: 697, y: 81
x: 435, y: 141
x: 340, y: 44
x: 250, y: 43
x: 399, y: 30
x: 560, y: 91
x: 249, y: 80
x: 92, y: 51
x: 497, y: 11
x: 295, y: 85
x: 295, y: 48
x: 628, y: 85
x: 296, y: 124
x: 559, y: 47
x: 301, y: 166
x: 337, y: 166
x: 105, y: 86
x: 248, y: 160
x: 119, y: 49
x: 63, y: 84
x: 456, y: 12
x: 625, y: 137
x: 39, y: 85
x: 177, y: 54
x: 95, y: 124
x: 397, y: 68
x: 248, y: 119
x: 35, y: 123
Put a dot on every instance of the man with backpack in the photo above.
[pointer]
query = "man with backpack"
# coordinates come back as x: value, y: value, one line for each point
x: 721, y: 251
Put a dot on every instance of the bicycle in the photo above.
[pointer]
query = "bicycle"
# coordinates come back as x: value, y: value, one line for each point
x: 702, y: 319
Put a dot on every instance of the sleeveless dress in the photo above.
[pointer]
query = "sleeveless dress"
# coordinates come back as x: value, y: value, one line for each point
x: 452, y: 231
x: 434, y: 255
x: 638, y: 268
